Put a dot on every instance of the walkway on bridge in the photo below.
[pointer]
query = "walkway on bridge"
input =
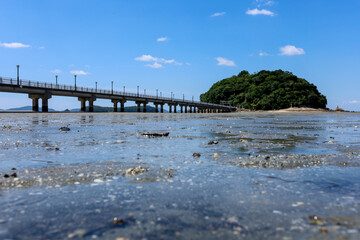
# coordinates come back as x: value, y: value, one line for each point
x: 41, y: 90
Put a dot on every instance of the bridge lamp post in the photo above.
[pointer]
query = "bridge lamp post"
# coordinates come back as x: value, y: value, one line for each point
x: 112, y: 87
x: 183, y: 97
x: 171, y: 96
x: 144, y: 91
x: 193, y: 98
x: 124, y: 90
x: 157, y: 90
x: 95, y: 86
x: 56, y: 77
x: 137, y: 90
x: 160, y: 94
x: 18, y: 75
x: 75, y: 81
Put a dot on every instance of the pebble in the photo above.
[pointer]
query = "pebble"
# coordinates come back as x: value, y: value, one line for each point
x: 213, y: 142
x: 196, y: 155
x: 216, y: 155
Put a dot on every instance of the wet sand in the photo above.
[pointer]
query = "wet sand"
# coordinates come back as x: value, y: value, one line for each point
x: 256, y: 175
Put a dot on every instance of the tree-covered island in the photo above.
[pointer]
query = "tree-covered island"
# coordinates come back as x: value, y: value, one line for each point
x: 265, y: 90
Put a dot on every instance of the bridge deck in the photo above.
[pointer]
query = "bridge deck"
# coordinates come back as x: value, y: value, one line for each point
x: 49, y: 89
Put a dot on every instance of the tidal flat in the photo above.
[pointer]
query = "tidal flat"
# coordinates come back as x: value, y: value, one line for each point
x: 247, y: 175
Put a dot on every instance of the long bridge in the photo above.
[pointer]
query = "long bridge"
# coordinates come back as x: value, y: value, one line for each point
x: 44, y: 91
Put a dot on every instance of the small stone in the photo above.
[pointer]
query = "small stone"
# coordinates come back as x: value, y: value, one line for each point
x: 196, y: 155
x: 323, y: 230
x: 13, y: 169
x: 118, y: 221
x: 14, y: 175
x: 213, y: 142
x: 227, y: 131
x: 6, y: 176
x: 330, y: 142
x: 98, y: 180
x: 216, y: 155
x: 64, y: 129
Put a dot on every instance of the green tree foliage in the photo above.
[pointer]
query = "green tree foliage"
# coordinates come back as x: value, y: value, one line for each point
x: 265, y: 90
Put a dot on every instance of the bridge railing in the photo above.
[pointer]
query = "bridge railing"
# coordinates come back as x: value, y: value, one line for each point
x: 35, y: 84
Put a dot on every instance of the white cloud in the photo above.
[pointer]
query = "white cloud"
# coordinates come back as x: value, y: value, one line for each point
x: 225, y: 62
x: 218, y: 14
x: 41, y: 47
x: 146, y: 58
x: 156, y: 61
x: 79, y: 72
x: 188, y: 64
x: 263, y: 54
x: 56, y: 71
x: 290, y: 50
x: 162, y: 39
x: 256, y: 11
x: 354, y: 102
x: 154, y: 65
x: 14, y: 45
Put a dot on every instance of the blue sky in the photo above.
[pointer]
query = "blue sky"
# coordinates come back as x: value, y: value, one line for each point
x: 179, y: 46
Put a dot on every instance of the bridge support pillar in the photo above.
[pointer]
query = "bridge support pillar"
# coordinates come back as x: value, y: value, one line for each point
x: 185, y: 109
x: 35, y: 101
x: 35, y: 104
x: 91, y: 105
x: 115, y: 102
x: 83, y: 104
x: 170, y: 108
x: 174, y: 108
x: 138, y: 106
x: 156, y: 107
x: 122, y: 106
x: 181, y: 108
x: 161, y: 108
x: 144, y: 107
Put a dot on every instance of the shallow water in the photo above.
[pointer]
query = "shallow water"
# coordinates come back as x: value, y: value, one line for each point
x: 271, y: 175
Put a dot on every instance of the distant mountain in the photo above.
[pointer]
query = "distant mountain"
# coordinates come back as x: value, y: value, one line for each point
x: 27, y: 108
x: 111, y: 109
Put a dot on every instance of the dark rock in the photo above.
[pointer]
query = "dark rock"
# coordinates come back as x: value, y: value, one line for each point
x: 213, y: 142
x: 196, y: 155
x: 14, y: 175
x: 13, y: 169
x: 118, y: 221
x: 6, y: 176
x: 148, y: 134
x: 267, y: 158
x: 64, y: 129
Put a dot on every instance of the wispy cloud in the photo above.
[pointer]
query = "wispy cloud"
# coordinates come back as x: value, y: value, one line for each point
x: 56, y: 71
x: 157, y: 62
x: 263, y: 54
x: 261, y: 3
x: 225, y: 62
x: 218, y: 14
x: 14, y: 45
x: 154, y: 65
x: 146, y: 58
x: 41, y: 47
x: 256, y: 11
x: 162, y: 39
x: 354, y: 102
x: 290, y: 50
x: 87, y: 66
x: 79, y: 72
